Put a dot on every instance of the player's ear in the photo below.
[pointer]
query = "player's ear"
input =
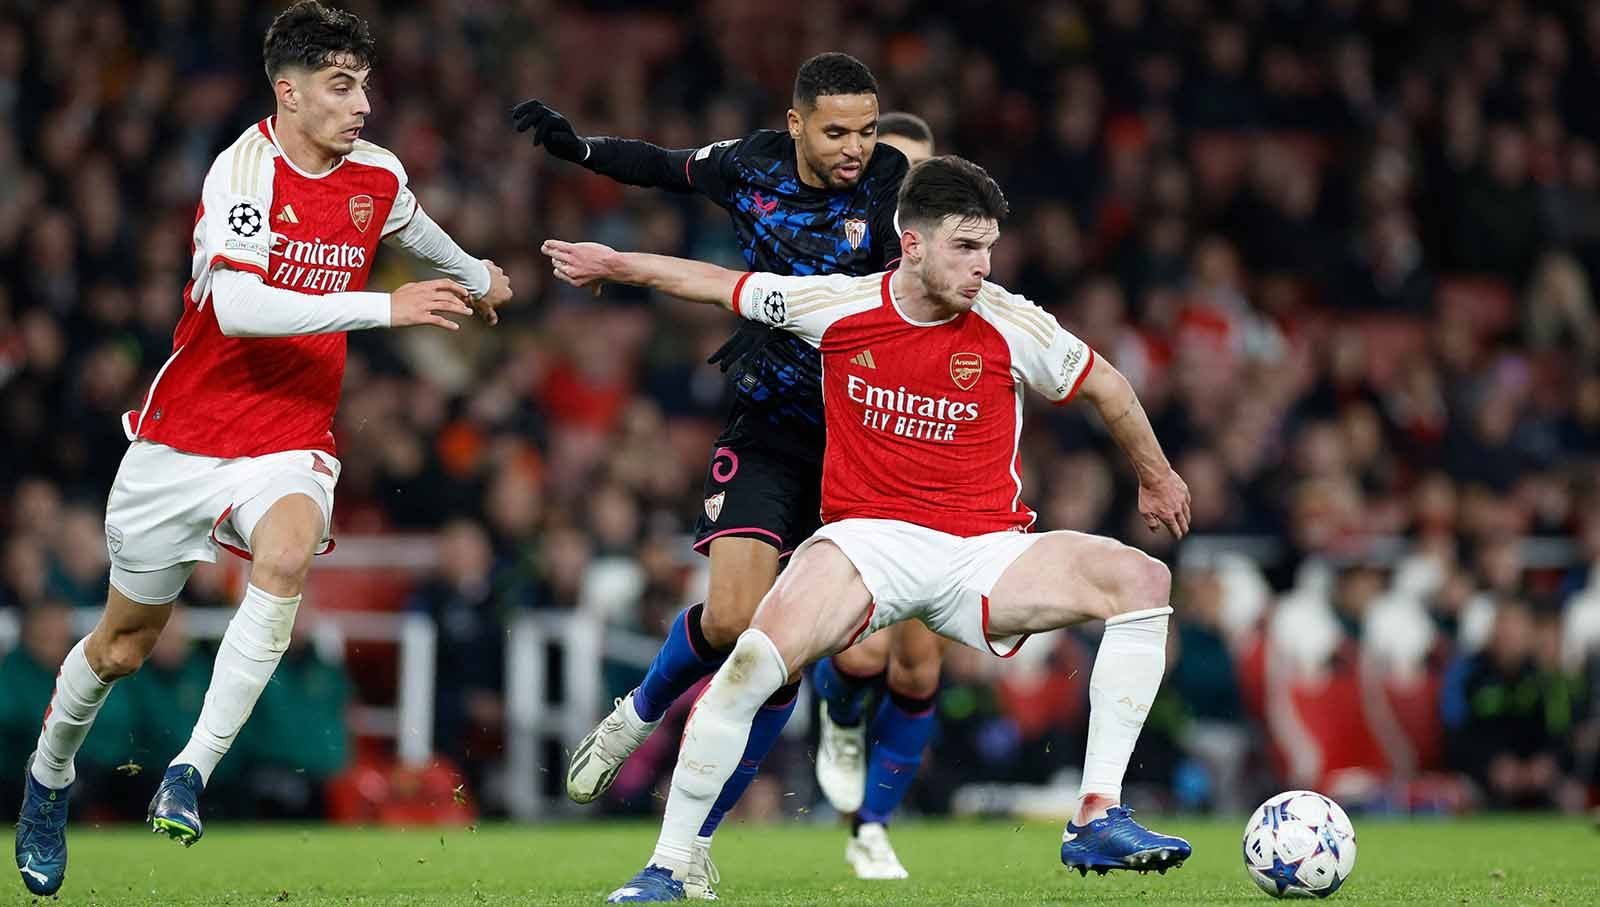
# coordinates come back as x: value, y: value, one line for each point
x: 910, y: 243
x: 284, y: 88
x: 796, y: 124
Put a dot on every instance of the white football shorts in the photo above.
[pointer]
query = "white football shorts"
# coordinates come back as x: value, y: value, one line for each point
x: 914, y: 572
x: 169, y: 509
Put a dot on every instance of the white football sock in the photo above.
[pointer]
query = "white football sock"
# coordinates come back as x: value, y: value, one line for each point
x: 252, y: 646
x: 713, y: 743
x: 77, y: 699
x: 1127, y: 673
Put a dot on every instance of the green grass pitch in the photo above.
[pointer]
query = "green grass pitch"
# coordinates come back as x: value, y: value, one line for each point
x: 1500, y: 860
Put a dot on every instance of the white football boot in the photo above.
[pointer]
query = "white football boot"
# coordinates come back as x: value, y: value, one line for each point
x: 842, y: 763
x: 599, y: 756
x: 871, y: 855
x: 702, y: 873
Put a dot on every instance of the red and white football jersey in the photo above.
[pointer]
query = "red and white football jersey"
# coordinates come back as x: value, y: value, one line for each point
x: 227, y: 397
x: 924, y: 419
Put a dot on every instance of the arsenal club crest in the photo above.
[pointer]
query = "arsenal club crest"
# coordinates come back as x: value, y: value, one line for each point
x: 965, y: 369
x: 714, y: 505
x: 854, y: 232
x: 361, y: 211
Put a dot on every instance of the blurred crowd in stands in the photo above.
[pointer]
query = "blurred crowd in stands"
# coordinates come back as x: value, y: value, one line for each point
x: 1345, y: 249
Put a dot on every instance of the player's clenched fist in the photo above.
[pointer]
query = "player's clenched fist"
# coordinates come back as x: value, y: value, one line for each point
x: 427, y: 302
x: 499, y: 293
x: 1164, y: 501
x: 580, y: 264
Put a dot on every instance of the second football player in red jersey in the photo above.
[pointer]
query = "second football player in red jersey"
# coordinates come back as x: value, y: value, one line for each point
x: 923, y: 518
x: 233, y: 447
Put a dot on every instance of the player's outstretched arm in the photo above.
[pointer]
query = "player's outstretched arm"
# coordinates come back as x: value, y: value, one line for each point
x: 486, y: 284
x: 630, y: 161
x: 247, y: 307
x: 1163, y: 496
x: 588, y: 263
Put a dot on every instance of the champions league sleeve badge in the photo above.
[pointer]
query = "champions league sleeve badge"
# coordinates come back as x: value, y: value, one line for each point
x: 244, y: 219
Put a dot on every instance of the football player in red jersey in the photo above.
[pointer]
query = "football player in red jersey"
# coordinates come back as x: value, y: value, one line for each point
x: 869, y: 774
x: 233, y: 447
x: 924, y: 370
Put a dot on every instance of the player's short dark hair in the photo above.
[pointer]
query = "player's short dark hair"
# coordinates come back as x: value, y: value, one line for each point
x: 831, y: 73
x: 905, y: 124
x: 948, y: 185
x: 311, y: 36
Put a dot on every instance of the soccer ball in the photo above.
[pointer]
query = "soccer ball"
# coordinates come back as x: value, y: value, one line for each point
x: 1299, y: 844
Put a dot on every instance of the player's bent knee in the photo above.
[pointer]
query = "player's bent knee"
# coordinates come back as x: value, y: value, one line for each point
x: 867, y: 658
x: 1156, y: 585
x: 723, y: 618
x: 117, y: 662
x: 1142, y: 582
x: 915, y: 674
x: 918, y: 680
x: 280, y: 568
x: 122, y: 654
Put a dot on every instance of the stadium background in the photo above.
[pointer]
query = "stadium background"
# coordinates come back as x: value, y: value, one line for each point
x: 1344, y: 250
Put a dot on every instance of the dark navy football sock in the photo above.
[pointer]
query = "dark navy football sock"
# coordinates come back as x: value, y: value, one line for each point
x: 764, y: 733
x: 684, y: 659
x: 900, y: 732
x: 845, y: 694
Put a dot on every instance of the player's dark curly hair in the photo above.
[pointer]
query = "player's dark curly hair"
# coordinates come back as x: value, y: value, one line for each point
x: 941, y: 186
x: 310, y: 36
x: 831, y: 73
x: 909, y: 125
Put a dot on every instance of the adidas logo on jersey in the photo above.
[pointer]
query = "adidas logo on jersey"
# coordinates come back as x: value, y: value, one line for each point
x: 287, y: 215
x: 864, y: 359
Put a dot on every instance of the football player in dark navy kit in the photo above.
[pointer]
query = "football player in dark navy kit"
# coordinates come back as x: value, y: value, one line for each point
x: 818, y: 198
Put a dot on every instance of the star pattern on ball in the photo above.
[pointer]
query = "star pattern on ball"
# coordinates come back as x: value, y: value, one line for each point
x: 1282, y: 874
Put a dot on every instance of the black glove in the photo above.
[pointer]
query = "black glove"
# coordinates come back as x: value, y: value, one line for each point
x: 550, y: 129
x: 748, y: 339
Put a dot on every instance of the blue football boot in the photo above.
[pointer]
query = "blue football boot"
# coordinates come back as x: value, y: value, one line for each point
x: 653, y: 884
x: 175, y: 809
x: 1118, y: 842
x: 42, y: 836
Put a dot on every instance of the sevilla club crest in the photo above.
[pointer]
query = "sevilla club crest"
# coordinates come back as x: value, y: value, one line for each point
x: 965, y: 369
x: 854, y: 232
x: 714, y: 505
x: 361, y: 211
